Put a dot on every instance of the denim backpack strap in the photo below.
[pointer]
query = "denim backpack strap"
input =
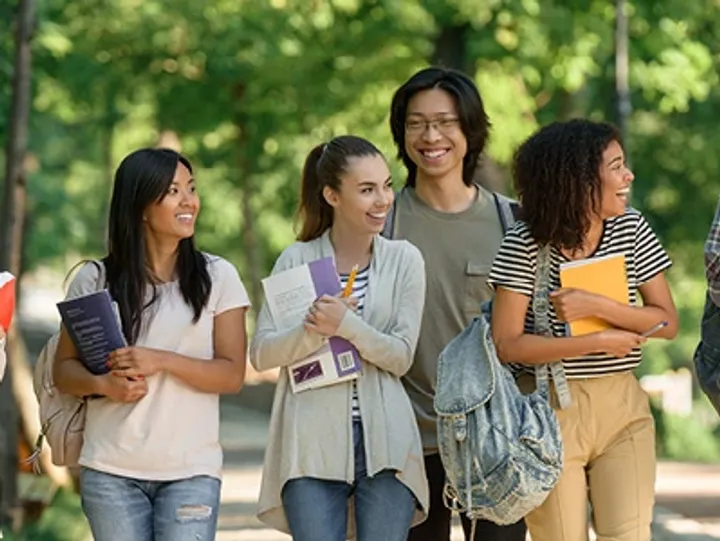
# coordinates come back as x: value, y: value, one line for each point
x: 507, y: 210
x: 541, y: 311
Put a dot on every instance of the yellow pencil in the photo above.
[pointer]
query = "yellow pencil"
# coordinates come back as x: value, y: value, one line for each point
x: 351, y: 280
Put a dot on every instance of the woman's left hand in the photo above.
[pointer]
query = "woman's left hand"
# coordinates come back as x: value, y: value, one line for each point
x: 573, y: 304
x: 133, y: 362
x: 325, y: 315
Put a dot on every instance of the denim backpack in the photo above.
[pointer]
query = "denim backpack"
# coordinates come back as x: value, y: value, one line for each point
x: 707, y: 354
x: 501, y: 450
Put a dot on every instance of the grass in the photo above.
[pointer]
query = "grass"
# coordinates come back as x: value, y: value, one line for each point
x: 63, y: 520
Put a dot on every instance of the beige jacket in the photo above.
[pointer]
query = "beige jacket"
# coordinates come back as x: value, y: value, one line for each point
x: 311, y: 432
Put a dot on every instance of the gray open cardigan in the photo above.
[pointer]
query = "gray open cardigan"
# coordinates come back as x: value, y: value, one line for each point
x: 311, y: 432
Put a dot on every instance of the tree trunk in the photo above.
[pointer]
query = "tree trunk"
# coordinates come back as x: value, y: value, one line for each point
x: 622, y: 70
x: 450, y: 49
x: 11, y: 226
x: 250, y: 243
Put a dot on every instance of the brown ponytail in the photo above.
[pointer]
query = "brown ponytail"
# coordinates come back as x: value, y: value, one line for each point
x: 324, y: 166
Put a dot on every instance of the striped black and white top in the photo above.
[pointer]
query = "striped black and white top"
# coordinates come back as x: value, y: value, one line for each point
x: 629, y: 234
x: 358, y: 291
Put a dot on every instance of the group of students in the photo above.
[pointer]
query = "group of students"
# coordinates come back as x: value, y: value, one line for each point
x: 360, y: 458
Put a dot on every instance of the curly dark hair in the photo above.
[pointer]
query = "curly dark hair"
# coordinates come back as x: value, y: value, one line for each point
x: 556, y: 175
x: 474, y: 121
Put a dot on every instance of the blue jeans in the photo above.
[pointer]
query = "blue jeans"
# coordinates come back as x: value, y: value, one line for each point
x: 125, y: 509
x: 316, y: 509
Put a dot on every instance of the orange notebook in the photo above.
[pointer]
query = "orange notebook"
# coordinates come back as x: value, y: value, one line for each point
x: 601, y: 275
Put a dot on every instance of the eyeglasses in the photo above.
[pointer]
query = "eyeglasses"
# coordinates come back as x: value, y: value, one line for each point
x: 444, y: 125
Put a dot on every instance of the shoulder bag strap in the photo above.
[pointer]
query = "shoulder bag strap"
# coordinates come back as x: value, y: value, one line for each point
x: 541, y: 311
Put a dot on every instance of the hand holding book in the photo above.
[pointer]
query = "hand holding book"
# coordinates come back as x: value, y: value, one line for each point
x: 134, y: 362
x: 573, y: 304
x: 325, y: 315
x: 121, y: 389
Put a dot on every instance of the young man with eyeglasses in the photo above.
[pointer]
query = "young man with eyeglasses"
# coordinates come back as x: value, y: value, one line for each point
x: 440, y: 128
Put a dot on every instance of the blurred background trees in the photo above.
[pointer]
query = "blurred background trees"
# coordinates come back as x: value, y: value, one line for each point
x: 246, y: 88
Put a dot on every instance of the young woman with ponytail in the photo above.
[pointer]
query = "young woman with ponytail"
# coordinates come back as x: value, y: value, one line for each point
x: 346, y: 459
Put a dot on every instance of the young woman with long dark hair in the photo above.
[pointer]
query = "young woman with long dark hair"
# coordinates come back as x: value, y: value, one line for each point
x: 151, y: 459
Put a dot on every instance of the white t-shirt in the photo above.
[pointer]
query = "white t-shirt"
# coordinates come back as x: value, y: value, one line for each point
x: 173, y: 431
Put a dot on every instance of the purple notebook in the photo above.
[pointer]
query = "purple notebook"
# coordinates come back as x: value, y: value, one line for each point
x: 289, y: 294
x: 327, y: 282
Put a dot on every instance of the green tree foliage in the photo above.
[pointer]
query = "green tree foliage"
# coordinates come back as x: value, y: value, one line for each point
x: 249, y: 87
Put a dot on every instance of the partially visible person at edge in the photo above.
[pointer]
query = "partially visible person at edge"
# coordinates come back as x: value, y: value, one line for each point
x: 3, y: 358
x: 151, y: 459
x: 707, y: 354
x: 353, y: 441
x: 440, y: 128
x: 573, y: 184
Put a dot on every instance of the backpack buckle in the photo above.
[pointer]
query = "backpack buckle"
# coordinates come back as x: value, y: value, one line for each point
x: 460, y: 426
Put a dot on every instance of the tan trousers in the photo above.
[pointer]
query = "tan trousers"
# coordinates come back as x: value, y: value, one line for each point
x: 609, y: 444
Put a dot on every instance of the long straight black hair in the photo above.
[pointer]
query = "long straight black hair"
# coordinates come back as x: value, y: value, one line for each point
x: 143, y: 179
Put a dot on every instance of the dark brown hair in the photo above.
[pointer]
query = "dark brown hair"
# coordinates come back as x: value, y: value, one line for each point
x: 557, y: 177
x: 143, y: 179
x: 474, y: 121
x: 324, y: 166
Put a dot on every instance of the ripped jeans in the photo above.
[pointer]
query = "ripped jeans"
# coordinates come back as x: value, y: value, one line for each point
x: 126, y: 509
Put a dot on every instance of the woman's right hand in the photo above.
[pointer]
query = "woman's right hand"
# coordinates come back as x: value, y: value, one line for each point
x: 121, y: 389
x: 619, y: 343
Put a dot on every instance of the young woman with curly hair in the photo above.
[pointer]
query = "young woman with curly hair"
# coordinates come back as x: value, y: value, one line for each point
x: 573, y: 184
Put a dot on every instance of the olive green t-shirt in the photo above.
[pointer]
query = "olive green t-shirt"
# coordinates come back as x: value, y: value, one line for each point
x: 459, y: 249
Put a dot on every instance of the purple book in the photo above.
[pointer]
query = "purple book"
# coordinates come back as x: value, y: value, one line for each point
x: 92, y: 323
x: 289, y: 295
x: 326, y: 281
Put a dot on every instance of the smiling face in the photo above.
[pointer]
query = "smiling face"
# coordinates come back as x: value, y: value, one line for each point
x: 365, y: 195
x: 173, y: 217
x: 615, y: 179
x: 434, y: 139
